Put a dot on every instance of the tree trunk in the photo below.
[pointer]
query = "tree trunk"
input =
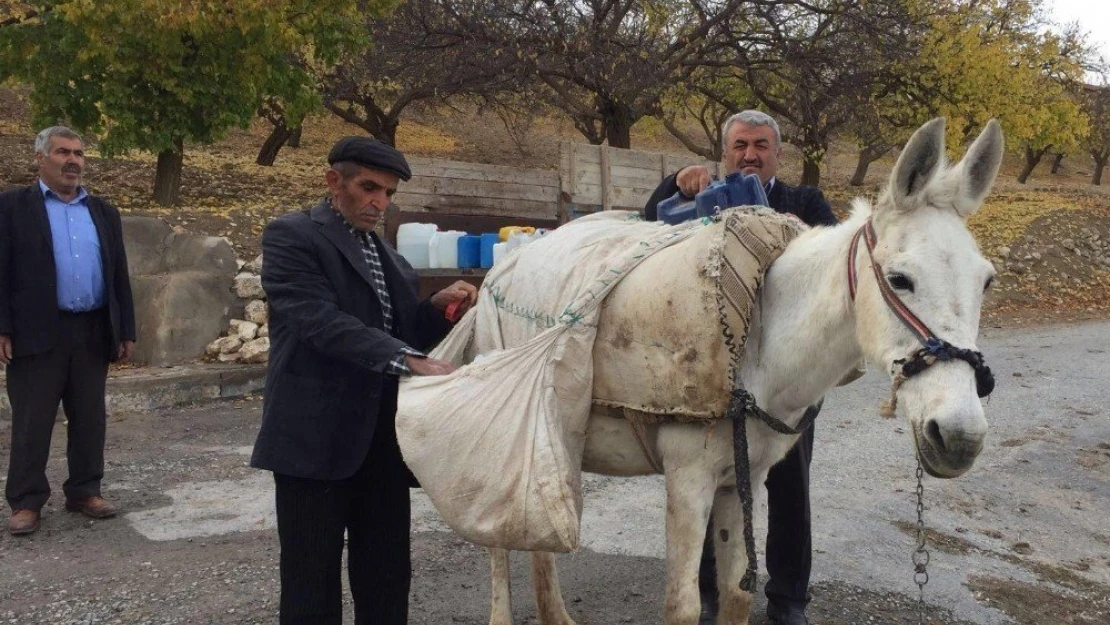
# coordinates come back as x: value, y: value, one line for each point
x: 295, y: 138
x: 167, y: 179
x: 387, y: 130
x: 380, y: 124
x: 618, y: 132
x: 1100, y: 163
x: 811, y: 172
x: 1032, y: 158
x: 269, y: 151
x: 617, y: 120
x: 1059, y: 158
x: 867, y: 156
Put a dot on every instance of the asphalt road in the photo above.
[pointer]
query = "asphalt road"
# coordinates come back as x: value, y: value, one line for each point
x: 1024, y: 537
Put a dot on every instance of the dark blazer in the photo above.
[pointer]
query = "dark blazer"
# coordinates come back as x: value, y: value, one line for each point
x: 28, y: 292
x: 326, y: 386
x: 807, y: 203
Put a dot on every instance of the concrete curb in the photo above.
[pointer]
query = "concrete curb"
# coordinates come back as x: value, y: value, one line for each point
x: 148, y: 388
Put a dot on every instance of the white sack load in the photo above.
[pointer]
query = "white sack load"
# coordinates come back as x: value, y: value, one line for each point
x: 497, y: 445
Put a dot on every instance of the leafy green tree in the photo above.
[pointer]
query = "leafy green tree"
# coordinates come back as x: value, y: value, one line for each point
x: 1032, y: 76
x: 154, y: 75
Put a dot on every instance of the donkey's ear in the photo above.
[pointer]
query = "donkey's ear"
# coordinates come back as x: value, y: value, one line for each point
x: 978, y: 170
x: 919, y: 161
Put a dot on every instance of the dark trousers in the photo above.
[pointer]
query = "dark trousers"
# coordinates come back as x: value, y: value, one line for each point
x: 789, y: 545
x: 372, y: 506
x: 73, y: 373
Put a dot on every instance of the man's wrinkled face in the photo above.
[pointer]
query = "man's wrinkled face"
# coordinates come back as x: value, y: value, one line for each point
x: 61, y: 167
x: 363, y: 197
x: 752, y: 150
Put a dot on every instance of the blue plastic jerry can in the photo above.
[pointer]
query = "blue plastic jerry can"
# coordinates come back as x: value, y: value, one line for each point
x: 737, y: 189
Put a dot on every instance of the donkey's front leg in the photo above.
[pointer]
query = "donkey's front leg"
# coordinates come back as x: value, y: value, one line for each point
x: 501, y: 601
x: 549, y: 596
x: 689, y: 498
x: 732, y: 558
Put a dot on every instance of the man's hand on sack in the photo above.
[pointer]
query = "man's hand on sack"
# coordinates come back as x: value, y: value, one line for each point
x: 463, y: 292
x: 429, y: 366
x: 693, y: 179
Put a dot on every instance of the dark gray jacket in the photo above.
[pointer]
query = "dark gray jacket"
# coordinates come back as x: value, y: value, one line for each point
x: 326, y: 388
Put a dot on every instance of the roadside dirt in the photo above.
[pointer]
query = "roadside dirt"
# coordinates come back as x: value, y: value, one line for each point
x: 1022, y: 538
x: 75, y: 571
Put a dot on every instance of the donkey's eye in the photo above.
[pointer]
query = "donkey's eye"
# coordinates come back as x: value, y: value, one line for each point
x: 900, y: 282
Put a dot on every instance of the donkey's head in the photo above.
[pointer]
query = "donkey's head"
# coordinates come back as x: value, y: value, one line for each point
x: 920, y: 291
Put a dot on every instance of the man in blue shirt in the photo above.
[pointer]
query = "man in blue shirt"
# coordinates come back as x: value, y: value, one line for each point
x: 65, y: 312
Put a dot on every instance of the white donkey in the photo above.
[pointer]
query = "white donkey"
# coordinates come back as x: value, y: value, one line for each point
x: 828, y: 302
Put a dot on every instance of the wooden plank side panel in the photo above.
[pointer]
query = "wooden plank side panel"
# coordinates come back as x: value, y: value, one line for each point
x: 631, y: 175
x: 635, y: 159
x: 438, y: 168
x: 436, y: 203
x: 480, y: 189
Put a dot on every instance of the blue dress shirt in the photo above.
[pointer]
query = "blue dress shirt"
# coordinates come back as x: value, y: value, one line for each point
x: 76, y: 252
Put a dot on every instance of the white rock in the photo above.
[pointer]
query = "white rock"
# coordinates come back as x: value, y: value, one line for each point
x: 232, y: 357
x: 255, y: 266
x: 255, y: 312
x: 1004, y: 252
x: 227, y: 344
x: 248, y: 331
x: 257, y: 351
x: 264, y: 331
x: 249, y: 286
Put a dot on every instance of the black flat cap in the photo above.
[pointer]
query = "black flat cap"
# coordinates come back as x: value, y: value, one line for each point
x: 370, y: 153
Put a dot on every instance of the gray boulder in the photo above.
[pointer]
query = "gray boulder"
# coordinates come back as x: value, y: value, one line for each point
x: 182, y: 285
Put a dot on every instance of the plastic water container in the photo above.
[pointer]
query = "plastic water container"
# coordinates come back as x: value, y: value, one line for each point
x: 516, y: 239
x: 469, y: 251
x: 508, y: 231
x: 433, y: 250
x: 737, y: 189
x: 443, y: 249
x: 412, y: 243
x: 489, y: 239
x: 499, y: 250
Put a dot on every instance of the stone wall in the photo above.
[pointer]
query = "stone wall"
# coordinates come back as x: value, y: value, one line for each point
x: 182, y: 285
x: 247, y: 339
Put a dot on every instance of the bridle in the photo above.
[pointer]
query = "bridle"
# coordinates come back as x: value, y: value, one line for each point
x: 934, y: 349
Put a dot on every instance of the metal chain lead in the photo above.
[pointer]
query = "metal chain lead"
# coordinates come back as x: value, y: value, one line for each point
x: 921, y: 554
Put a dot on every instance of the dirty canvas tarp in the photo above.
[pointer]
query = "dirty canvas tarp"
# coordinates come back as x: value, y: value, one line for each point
x: 497, y: 445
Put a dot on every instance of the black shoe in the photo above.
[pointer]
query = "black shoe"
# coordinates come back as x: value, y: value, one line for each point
x: 788, y: 614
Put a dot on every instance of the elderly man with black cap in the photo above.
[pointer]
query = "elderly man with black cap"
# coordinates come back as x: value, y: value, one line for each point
x: 345, y: 324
